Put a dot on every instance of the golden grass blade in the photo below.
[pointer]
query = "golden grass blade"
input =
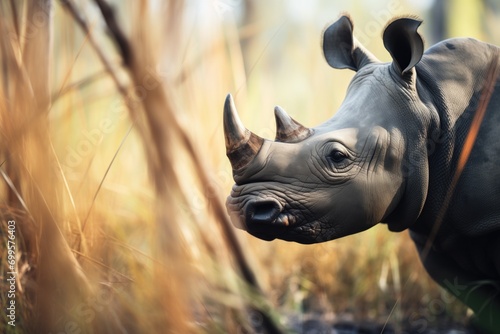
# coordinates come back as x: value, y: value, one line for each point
x: 70, y: 6
x: 69, y: 70
x: 37, y: 53
x: 91, y: 79
x: 15, y: 191
x: 124, y: 139
x: 252, y: 68
x: 103, y: 265
x: 13, y: 7
x: 68, y: 191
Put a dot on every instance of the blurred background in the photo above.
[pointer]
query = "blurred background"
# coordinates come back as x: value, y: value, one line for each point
x: 113, y: 167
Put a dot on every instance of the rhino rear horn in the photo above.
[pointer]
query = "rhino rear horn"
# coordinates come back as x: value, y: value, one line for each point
x: 289, y: 130
x: 242, y: 145
x: 341, y: 49
x: 404, y: 43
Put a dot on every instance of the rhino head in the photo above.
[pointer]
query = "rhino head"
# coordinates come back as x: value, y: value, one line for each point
x: 363, y: 166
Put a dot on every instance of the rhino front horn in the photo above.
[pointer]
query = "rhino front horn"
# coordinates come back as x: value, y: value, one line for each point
x: 289, y: 130
x: 242, y: 145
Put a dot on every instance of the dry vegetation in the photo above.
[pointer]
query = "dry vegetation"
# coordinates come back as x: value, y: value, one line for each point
x: 113, y: 167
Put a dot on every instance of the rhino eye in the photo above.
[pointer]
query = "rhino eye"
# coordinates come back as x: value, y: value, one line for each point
x: 337, y: 156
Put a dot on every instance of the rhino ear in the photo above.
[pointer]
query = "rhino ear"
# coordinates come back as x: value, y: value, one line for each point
x: 404, y: 43
x: 341, y: 49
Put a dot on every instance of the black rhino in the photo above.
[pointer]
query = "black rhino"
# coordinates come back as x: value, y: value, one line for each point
x: 415, y: 145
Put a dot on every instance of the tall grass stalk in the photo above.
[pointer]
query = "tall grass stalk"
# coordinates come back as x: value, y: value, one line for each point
x: 56, y: 281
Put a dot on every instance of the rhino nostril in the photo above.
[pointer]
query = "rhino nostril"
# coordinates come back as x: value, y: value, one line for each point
x: 263, y: 211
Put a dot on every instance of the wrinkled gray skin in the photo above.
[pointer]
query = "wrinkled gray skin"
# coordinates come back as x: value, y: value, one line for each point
x: 388, y: 155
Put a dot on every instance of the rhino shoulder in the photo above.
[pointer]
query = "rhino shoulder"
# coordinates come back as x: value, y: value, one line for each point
x: 461, y: 45
x: 460, y: 53
x: 454, y: 70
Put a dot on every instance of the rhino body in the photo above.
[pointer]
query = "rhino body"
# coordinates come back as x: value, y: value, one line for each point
x: 415, y: 145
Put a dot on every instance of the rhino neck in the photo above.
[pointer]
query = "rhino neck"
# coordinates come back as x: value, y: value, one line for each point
x: 455, y: 91
x: 418, y: 125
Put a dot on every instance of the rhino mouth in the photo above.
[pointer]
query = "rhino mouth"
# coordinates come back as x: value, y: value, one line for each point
x: 305, y: 233
x: 276, y: 228
x: 269, y: 219
x: 268, y: 213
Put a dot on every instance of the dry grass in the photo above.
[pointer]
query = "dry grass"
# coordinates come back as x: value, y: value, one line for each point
x: 113, y: 168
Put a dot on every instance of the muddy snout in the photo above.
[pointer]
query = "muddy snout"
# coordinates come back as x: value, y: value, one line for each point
x: 262, y: 211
